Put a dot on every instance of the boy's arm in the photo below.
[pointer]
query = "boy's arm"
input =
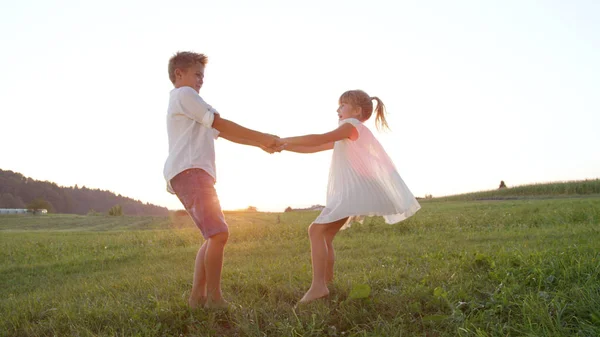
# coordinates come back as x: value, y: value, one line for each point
x: 230, y: 130
x: 308, y: 149
x: 194, y: 107
x: 345, y: 131
x: 239, y: 140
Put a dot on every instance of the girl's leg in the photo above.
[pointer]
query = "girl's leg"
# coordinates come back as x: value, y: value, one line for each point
x: 213, y: 263
x: 319, y: 257
x: 198, y: 295
x: 330, y: 233
x: 318, y: 254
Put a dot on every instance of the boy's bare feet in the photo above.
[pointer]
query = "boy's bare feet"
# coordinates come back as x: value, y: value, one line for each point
x: 197, y: 302
x: 313, y: 294
x: 216, y: 304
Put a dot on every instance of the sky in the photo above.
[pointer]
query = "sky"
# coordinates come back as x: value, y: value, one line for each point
x: 477, y: 91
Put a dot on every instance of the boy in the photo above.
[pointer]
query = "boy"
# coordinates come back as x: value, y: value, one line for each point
x: 192, y: 127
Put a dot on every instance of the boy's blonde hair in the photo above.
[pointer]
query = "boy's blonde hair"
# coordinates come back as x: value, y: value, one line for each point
x: 184, y: 60
x: 360, y: 99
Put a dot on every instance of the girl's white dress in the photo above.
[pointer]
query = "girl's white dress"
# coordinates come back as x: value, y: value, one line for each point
x: 363, y: 181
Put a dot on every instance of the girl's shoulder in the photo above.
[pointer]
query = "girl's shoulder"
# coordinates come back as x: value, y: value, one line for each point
x: 357, y: 128
x: 352, y: 121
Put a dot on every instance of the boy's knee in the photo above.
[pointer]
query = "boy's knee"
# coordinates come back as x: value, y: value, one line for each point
x: 220, y: 238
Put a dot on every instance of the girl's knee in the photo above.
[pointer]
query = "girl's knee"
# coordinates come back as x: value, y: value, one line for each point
x: 312, y: 229
x: 329, y: 236
x: 315, y: 229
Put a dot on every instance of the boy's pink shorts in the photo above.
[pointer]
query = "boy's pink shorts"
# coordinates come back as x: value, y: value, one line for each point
x: 196, y: 190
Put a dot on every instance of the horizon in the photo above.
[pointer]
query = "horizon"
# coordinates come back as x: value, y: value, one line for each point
x: 476, y: 92
x: 316, y: 204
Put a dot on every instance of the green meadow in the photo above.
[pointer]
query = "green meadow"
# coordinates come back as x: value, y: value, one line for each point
x: 517, y: 265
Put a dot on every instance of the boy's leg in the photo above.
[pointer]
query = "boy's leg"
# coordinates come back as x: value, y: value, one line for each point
x: 213, y: 262
x: 319, y: 257
x: 195, y: 189
x: 198, y: 295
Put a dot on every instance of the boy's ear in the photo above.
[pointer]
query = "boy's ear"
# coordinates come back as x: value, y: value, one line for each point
x: 178, y: 73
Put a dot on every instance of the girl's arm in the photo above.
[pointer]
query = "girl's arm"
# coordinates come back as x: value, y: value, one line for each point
x: 345, y: 131
x: 308, y: 149
x: 244, y: 141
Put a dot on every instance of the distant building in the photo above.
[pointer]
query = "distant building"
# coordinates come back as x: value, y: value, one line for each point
x: 311, y: 208
x: 13, y: 211
x: 22, y: 211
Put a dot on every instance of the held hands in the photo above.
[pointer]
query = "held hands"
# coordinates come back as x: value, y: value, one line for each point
x: 272, y: 144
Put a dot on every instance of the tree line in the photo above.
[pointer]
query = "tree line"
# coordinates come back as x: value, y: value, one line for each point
x: 18, y: 191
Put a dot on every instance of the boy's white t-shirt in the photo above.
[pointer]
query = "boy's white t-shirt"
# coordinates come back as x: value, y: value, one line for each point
x: 191, y: 136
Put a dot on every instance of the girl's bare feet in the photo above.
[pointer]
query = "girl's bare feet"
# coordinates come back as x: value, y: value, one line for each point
x: 216, y: 304
x: 314, y: 294
x: 197, y: 302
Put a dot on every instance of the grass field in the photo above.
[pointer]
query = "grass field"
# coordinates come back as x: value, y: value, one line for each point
x: 457, y: 268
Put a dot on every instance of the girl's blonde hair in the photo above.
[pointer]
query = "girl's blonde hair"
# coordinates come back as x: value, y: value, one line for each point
x: 360, y: 99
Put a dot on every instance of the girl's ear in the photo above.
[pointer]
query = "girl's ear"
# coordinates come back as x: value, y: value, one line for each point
x: 358, y: 111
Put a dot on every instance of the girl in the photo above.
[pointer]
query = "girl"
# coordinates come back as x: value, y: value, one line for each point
x: 363, y: 181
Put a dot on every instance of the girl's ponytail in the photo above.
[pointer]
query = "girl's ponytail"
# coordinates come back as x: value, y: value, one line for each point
x: 380, y: 122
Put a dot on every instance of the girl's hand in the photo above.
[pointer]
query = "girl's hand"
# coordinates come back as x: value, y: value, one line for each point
x: 270, y: 141
x: 273, y: 149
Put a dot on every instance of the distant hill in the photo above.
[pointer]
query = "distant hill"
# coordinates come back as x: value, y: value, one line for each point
x: 16, y: 191
x: 532, y: 191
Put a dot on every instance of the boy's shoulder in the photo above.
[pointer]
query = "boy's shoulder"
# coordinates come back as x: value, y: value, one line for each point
x: 184, y: 94
x: 185, y: 90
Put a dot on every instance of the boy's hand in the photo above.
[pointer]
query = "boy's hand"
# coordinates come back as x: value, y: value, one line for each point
x: 272, y: 143
x: 269, y: 150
